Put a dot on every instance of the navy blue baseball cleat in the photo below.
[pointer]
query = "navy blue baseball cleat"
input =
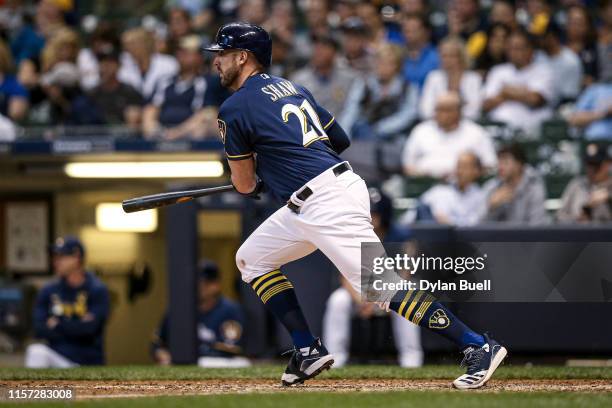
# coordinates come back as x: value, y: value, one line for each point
x: 304, y: 367
x: 481, y: 363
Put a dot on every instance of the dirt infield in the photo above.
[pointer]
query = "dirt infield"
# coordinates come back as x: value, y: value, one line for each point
x: 115, y: 389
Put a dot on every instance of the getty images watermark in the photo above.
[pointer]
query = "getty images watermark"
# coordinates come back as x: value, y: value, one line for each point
x: 489, y: 271
x: 404, y: 264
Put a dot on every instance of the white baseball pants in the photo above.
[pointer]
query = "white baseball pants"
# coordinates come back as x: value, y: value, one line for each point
x: 335, y: 219
x: 40, y: 355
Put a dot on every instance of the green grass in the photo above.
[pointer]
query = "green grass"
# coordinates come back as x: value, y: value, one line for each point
x: 411, y: 398
x: 274, y: 372
x: 444, y: 399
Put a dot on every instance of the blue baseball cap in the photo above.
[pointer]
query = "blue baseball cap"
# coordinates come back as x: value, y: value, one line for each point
x: 67, y: 246
x: 208, y: 270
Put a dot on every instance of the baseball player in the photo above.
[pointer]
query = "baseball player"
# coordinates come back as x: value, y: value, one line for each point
x: 275, y: 134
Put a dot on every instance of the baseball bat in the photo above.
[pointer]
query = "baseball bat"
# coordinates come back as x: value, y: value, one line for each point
x: 175, y: 197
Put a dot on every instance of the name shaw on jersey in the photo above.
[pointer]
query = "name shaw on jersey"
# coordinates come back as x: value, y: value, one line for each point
x: 280, y: 90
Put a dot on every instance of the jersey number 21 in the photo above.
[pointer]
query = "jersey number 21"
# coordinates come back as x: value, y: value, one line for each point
x: 304, y: 112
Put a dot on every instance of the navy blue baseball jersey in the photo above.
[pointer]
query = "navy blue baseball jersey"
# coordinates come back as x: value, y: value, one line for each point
x: 81, y: 313
x: 283, y: 127
x: 219, y: 330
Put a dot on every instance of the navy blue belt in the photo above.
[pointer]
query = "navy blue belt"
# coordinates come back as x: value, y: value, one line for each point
x: 307, y: 192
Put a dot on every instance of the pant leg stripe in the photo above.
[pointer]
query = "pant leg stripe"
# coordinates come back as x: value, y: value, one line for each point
x: 404, y: 303
x: 427, y: 301
x: 255, y: 284
x: 262, y: 293
x: 421, y: 312
x: 269, y: 282
x: 413, y: 304
x: 276, y: 290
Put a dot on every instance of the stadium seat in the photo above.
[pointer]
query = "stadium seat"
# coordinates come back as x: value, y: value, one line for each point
x: 554, y: 130
x: 415, y: 186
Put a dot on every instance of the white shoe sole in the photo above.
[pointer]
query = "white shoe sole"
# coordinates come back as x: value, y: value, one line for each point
x: 324, y: 363
x: 497, y: 360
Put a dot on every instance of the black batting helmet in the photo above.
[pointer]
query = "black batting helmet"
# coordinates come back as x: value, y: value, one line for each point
x: 244, y: 36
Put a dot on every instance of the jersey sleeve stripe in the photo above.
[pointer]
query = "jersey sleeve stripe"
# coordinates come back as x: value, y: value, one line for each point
x: 329, y: 123
x: 239, y: 156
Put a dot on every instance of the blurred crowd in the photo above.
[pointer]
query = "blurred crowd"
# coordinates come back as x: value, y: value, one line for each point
x: 379, y: 66
x: 431, y: 76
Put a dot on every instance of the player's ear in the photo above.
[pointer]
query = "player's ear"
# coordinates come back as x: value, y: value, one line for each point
x: 243, y: 57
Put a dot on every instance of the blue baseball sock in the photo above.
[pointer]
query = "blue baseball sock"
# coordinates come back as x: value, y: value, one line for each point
x: 424, y: 310
x: 277, y: 293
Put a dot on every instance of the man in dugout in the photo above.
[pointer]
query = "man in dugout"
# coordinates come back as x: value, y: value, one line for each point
x: 219, y: 328
x: 70, y: 313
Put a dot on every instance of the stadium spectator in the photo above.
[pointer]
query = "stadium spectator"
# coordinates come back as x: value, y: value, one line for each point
x: 8, y: 132
x: 12, y: 16
x: 111, y: 102
x: 284, y: 62
x: 63, y: 47
x: 143, y: 68
x: 503, y: 12
x: 565, y: 64
x: 460, y: 202
x: 357, y: 53
x: 317, y: 25
x: 281, y: 23
x: 281, y: 26
x: 378, y: 31
x: 58, y: 81
x: 13, y: 95
x: 519, y: 92
x: 253, y: 11
x: 201, y: 12
x: 421, y: 54
x: 517, y: 195
x: 220, y: 323
x: 103, y: 40
x: 466, y: 21
x: 538, y: 16
x: 179, y: 26
x: 324, y: 76
x: 70, y: 313
x: 495, y: 50
x: 434, y: 146
x: 588, y: 198
x: 344, y: 302
x: 384, y: 104
x: 344, y: 9
x: 186, y: 104
x: 453, y: 76
x: 581, y: 38
x: 604, y: 42
x: 593, y: 112
x: 414, y: 7
x: 29, y: 42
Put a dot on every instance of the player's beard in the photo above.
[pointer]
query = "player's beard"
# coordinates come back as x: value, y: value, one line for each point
x: 229, y: 75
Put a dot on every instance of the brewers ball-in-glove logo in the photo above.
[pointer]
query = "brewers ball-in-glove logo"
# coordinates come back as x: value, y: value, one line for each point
x: 231, y: 330
x: 222, y: 129
x: 439, y: 320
